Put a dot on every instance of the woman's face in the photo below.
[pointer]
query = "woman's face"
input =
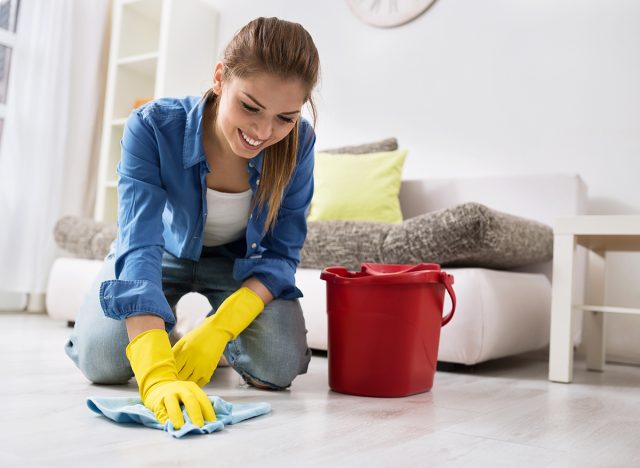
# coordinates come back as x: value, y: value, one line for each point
x: 255, y: 112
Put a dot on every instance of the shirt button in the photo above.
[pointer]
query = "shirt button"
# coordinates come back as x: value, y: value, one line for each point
x: 253, y: 246
x: 258, y: 182
x: 251, y: 164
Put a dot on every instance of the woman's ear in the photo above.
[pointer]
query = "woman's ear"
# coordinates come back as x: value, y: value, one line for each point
x: 218, y: 73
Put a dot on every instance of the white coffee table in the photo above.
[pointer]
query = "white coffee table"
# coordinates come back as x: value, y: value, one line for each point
x: 599, y: 234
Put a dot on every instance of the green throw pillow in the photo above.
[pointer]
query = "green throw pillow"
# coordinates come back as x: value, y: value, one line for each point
x: 362, y: 187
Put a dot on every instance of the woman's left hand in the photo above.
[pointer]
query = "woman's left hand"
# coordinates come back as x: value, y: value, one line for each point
x: 198, y: 352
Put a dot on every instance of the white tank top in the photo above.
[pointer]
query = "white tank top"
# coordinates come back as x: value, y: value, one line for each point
x: 227, y: 216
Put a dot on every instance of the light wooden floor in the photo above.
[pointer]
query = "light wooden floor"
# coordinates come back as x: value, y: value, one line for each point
x: 500, y: 414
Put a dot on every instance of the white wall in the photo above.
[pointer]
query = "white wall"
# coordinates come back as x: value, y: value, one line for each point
x: 491, y: 87
x: 488, y: 87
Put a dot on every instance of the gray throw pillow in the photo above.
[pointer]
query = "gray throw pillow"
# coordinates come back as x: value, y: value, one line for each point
x: 84, y: 237
x: 343, y: 243
x: 470, y: 235
x: 388, y: 144
x: 466, y: 235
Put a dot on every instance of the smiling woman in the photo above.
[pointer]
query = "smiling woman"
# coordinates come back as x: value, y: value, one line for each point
x: 213, y: 195
x: 262, y: 85
x: 259, y: 124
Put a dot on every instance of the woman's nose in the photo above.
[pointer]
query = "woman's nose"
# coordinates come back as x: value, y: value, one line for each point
x: 263, y: 130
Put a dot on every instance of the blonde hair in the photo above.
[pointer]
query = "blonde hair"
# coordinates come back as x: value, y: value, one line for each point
x: 286, y: 50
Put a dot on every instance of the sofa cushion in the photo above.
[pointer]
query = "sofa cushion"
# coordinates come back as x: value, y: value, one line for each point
x: 345, y: 243
x: 361, y: 187
x: 388, y: 144
x: 469, y: 234
x: 84, y: 237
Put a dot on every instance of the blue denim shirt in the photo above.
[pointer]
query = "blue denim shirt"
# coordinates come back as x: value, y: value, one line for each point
x: 162, y: 205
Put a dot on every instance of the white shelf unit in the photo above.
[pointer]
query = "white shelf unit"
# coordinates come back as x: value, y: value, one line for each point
x: 159, y: 48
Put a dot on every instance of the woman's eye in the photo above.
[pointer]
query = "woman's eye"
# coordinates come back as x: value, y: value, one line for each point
x: 254, y: 110
x: 249, y: 108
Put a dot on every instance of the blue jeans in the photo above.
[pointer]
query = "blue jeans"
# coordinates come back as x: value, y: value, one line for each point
x: 270, y: 352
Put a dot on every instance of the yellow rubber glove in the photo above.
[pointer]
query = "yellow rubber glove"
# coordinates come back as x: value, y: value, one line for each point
x: 198, y: 352
x: 154, y: 366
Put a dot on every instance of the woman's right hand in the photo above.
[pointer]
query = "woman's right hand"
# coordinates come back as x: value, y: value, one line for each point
x: 165, y: 398
x: 154, y: 366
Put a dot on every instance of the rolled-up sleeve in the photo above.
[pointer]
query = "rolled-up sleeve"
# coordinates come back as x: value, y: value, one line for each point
x: 137, y: 289
x: 277, y: 263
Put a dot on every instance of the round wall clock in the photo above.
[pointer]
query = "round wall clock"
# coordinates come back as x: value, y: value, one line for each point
x: 388, y: 13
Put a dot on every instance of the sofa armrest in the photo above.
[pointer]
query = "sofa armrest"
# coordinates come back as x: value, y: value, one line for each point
x: 70, y: 280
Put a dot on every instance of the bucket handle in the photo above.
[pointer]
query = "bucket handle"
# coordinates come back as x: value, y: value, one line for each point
x: 373, y: 269
x: 447, y: 280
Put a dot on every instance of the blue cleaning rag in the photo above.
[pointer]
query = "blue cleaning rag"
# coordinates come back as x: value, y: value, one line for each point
x: 131, y: 410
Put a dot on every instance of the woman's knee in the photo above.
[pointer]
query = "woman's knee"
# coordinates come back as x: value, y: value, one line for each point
x: 102, y: 368
x: 101, y: 357
x: 281, y: 377
x: 276, y: 368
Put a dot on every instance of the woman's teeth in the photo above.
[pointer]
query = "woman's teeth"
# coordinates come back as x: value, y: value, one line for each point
x: 251, y: 141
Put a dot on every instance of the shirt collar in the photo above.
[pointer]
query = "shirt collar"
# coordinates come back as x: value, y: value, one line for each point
x: 256, y: 163
x: 192, y: 149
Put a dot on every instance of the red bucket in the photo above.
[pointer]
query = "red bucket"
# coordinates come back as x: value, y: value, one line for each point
x: 384, y: 327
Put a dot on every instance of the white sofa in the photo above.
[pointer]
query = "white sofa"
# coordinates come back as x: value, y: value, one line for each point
x: 499, y: 313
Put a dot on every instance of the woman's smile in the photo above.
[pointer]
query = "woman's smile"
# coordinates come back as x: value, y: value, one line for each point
x: 250, y: 143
